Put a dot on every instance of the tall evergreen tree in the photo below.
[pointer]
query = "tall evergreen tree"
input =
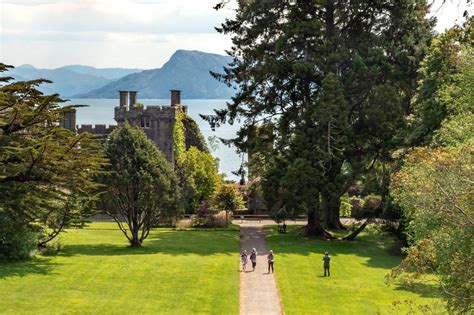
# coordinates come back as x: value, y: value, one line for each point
x: 282, y: 55
x: 46, y: 171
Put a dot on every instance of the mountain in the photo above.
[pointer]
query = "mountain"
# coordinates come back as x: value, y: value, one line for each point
x: 108, y: 73
x: 186, y: 70
x: 69, y: 80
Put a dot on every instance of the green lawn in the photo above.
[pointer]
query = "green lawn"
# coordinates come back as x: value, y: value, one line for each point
x: 176, y: 272
x: 356, y: 285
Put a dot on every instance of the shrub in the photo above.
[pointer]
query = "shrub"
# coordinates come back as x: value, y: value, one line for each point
x: 209, y: 221
x: 17, y: 241
x: 345, y: 207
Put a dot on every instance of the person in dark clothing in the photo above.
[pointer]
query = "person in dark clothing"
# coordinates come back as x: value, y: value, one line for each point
x: 327, y: 260
x: 253, y: 258
x: 271, y: 260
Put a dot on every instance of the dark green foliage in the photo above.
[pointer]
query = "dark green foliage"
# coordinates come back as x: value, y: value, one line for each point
x: 333, y: 79
x: 46, y: 172
x: 17, y: 240
x: 141, y: 187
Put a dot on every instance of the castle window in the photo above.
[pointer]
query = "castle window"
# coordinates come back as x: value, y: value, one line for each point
x: 145, y: 122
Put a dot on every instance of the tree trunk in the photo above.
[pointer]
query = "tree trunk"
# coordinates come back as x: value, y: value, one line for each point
x: 353, y: 235
x: 331, y: 214
x: 314, y: 227
x: 135, y: 240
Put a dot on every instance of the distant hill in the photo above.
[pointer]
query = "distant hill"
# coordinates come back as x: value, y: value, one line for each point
x: 186, y: 70
x: 108, y: 73
x: 69, y: 80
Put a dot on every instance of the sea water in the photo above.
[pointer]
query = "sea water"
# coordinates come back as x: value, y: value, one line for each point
x: 101, y: 111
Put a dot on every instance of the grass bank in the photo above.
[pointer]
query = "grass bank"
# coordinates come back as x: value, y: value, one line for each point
x: 356, y: 285
x: 179, y: 272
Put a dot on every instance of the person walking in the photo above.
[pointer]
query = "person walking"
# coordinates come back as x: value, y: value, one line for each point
x: 253, y: 258
x: 327, y: 260
x: 271, y: 260
x: 244, y: 260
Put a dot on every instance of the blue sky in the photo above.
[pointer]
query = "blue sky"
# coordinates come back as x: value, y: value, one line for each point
x: 123, y: 33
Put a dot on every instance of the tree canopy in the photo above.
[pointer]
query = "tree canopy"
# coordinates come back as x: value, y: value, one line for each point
x: 332, y: 77
x: 46, y: 172
x: 196, y: 168
x: 141, y: 187
x: 434, y: 186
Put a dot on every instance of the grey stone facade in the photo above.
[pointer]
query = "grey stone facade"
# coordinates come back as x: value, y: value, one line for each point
x: 156, y: 121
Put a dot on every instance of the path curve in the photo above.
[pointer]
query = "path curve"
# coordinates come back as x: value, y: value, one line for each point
x: 258, y: 290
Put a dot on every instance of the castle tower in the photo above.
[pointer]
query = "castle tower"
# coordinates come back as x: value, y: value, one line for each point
x: 133, y: 98
x: 175, y: 97
x: 68, y: 120
x: 156, y: 121
x: 124, y: 100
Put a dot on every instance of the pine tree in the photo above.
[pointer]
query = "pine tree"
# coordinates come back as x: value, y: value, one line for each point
x: 46, y: 172
x: 282, y: 55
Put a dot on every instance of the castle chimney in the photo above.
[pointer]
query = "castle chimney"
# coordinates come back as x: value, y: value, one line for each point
x: 175, y: 97
x: 133, y: 98
x: 123, y: 99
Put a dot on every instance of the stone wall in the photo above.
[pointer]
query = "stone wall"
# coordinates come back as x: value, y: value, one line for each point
x: 156, y: 121
x: 101, y: 130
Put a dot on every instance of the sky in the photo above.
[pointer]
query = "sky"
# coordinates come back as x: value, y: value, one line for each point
x: 124, y: 33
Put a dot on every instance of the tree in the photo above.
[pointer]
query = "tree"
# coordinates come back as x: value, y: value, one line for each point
x: 196, y: 168
x: 445, y: 92
x: 141, y: 187
x: 46, y: 171
x: 199, y: 177
x: 434, y: 188
x: 228, y: 198
x: 282, y: 56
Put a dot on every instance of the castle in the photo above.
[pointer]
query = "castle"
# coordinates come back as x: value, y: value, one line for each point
x: 156, y: 121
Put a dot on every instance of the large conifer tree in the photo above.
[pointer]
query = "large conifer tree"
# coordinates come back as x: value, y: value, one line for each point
x: 46, y: 172
x: 282, y: 55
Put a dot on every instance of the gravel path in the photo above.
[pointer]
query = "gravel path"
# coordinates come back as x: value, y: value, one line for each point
x: 258, y: 291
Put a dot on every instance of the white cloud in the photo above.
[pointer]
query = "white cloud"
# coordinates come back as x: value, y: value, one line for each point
x: 138, y: 33
x: 129, y: 33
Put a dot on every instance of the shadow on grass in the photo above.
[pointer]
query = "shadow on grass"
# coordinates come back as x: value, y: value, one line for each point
x: 170, y: 242
x: 368, y: 245
x: 40, y: 266
x: 422, y: 289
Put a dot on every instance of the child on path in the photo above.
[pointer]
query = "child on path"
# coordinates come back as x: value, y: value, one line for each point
x: 327, y: 260
x: 243, y: 259
x: 253, y: 258
x: 271, y: 260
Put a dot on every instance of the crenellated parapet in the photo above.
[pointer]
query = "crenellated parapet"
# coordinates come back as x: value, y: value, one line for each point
x: 99, y: 129
x: 155, y: 111
x: 156, y: 121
